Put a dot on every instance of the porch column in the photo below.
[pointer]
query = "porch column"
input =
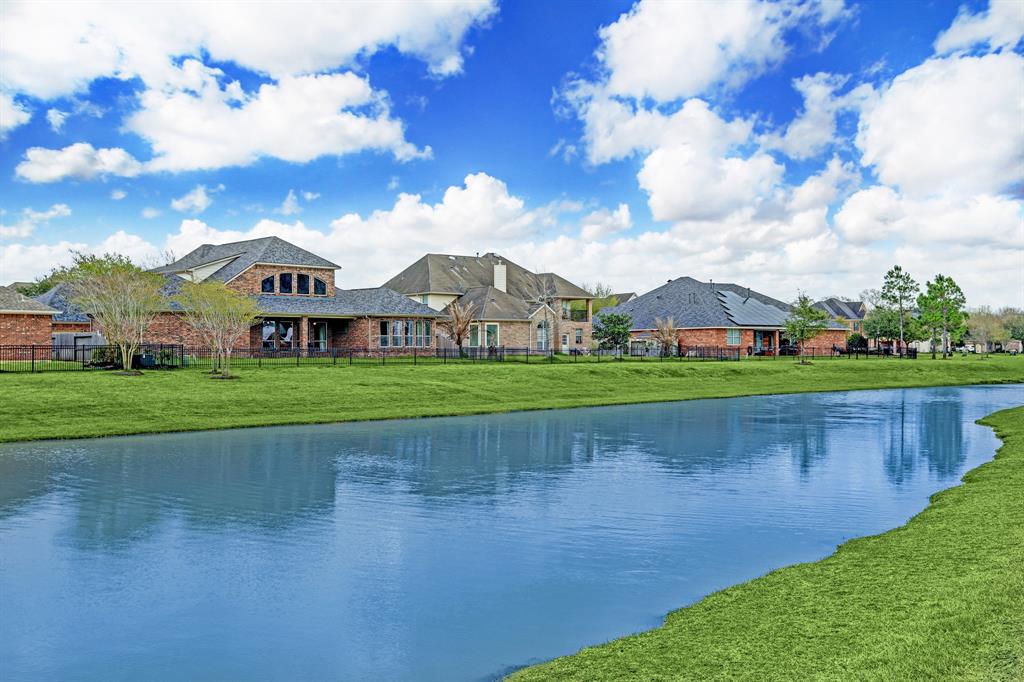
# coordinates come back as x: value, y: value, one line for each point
x: 775, y: 339
x: 590, y: 309
x: 303, y: 332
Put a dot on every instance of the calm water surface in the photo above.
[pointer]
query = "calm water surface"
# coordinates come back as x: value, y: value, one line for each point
x: 443, y: 549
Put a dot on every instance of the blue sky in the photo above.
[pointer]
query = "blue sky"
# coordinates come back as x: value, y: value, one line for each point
x: 787, y: 146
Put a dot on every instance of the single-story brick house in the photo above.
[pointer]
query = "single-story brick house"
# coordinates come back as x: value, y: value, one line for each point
x: 719, y: 315
x: 300, y: 305
x: 513, y: 306
x: 24, y: 320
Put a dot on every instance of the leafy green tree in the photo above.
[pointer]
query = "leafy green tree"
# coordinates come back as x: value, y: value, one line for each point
x: 942, y: 311
x: 856, y: 340
x: 121, y: 298
x: 805, y: 322
x: 898, y: 292
x: 881, y: 323
x: 611, y: 330
x: 603, y: 296
x: 1013, y: 323
x: 220, y: 316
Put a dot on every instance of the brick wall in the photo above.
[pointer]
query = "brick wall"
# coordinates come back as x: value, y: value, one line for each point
x: 250, y: 280
x: 171, y: 328
x: 72, y: 327
x: 20, y: 329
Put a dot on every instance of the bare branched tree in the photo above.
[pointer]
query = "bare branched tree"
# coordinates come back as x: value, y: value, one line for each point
x: 121, y: 297
x: 457, y: 324
x: 665, y: 333
x: 541, y: 291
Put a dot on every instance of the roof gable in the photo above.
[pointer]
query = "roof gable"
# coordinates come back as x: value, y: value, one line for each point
x: 240, y: 256
x: 13, y: 301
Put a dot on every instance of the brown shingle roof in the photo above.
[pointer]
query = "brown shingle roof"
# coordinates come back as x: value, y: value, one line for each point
x: 12, y: 301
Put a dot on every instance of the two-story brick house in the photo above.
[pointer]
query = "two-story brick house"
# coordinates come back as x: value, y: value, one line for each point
x: 512, y: 306
x: 300, y: 305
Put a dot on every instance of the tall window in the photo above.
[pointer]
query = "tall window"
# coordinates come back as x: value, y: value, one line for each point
x: 397, y: 332
x: 285, y: 283
x: 285, y: 334
x: 732, y: 337
x: 579, y: 336
x: 542, y: 335
x: 319, y: 287
x: 278, y: 334
x: 319, y: 336
x: 422, y: 333
x: 383, y: 330
x: 474, y: 335
x: 267, y: 333
x: 267, y: 285
x: 302, y: 284
x: 410, y: 333
x: 492, y: 334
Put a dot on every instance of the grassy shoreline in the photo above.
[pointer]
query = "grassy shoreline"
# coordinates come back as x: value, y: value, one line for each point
x: 941, y: 597
x: 94, y: 404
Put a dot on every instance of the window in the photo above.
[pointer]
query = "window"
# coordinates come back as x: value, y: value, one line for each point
x: 319, y: 287
x: 474, y: 335
x: 302, y: 284
x: 285, y: 283
x: 267, y: 285
x: 410, y: 333
x: 397, y: 332
x: 542, y: 335
x: 425, y: 299
x: 285, y: 334
x: 319, y: 336
x: 423, y: 333
x: 492, y: 334
x: 732, y: 337
x: 856, y: 326
x: 565, y: 339
x: 267, y: 333
x: 384, y: 335
x: 579, y: 336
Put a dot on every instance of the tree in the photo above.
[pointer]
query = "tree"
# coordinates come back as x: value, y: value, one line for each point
x: 121, y: 297
x: 457, y: 324
x: 986, y: 327
x: 1013, y: 323
x: 899, y: 291
x: 805, y: 322
x: 856, y: 341
x: 603, y: 296
x: 220, y: 316
x: 665, y: 333
x: 612, y: 329
x: 541, y: 291
x: 942, y: 310
x: 881, y: 323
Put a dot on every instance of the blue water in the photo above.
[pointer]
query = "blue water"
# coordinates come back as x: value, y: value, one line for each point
x: 443, y: 549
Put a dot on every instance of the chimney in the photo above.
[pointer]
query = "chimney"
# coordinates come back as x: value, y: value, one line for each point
x: 499, y: 276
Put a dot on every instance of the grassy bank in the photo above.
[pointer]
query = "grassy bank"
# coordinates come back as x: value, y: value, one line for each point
x: 941, y: 598
x: 83, y: 404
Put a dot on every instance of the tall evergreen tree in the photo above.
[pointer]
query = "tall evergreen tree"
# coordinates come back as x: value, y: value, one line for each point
x: 899, y: 291
x: 942, y: 310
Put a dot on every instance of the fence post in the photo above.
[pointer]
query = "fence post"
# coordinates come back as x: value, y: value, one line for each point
x: 33, y: 358
x: 414, y: 355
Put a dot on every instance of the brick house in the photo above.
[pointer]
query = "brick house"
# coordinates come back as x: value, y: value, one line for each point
x: 513, y: 307
x: 300, y: 305
x: 852, y: 313
x: 719, y: 315
x: 23, y: 320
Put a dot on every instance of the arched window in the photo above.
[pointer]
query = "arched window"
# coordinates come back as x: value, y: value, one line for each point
x: 267, y: 285
x: 319, y: 287
x: 302, y: 284
x: 285, y: 283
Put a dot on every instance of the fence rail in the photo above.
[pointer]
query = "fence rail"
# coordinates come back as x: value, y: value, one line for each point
x: 43, y: 358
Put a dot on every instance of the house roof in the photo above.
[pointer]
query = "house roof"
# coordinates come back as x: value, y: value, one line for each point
x: 695, y: 304
x: 59, y: 298
x: 848, y: 310
x: 346, y: 303
x: 624, y: 297
x: 13, y: 301
x: 239, y: 256
x: 448, y: 274
x: 493, y: 304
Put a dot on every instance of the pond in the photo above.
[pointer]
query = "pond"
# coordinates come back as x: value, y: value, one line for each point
x: 443, y: 549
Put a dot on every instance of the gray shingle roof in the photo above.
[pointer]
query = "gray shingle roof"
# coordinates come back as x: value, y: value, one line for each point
x: 273, y: 250
x: 13, y: 301
x: 625, y: 296
x: 848, y: 310
x: 442, y: 273
x: 492, y: 304
x: 695, y: 304
x: 59, y: 298
x: 347, y: 302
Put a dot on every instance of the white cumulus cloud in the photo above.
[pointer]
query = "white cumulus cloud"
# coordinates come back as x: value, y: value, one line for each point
x: 1000, y: 26
x: 197, y: 200
x: 80, y: 161
x: 12, y: 114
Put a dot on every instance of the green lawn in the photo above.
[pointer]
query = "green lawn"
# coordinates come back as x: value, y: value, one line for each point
x: 97, y: 403
x: 941, y: 598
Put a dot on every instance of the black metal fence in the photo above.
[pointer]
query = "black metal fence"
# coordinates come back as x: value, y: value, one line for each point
x: 42, y: 358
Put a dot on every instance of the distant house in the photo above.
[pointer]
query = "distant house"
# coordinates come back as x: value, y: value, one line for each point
x: 296, y: 294
x: 625, y: 297
x: 852, y: 313
x: 23, y: 320
x: 513, y: 306
x: 719, y: 315
x: 69, y: 317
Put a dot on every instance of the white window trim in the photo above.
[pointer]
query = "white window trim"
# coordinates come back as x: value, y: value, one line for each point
x: 739, y: 337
